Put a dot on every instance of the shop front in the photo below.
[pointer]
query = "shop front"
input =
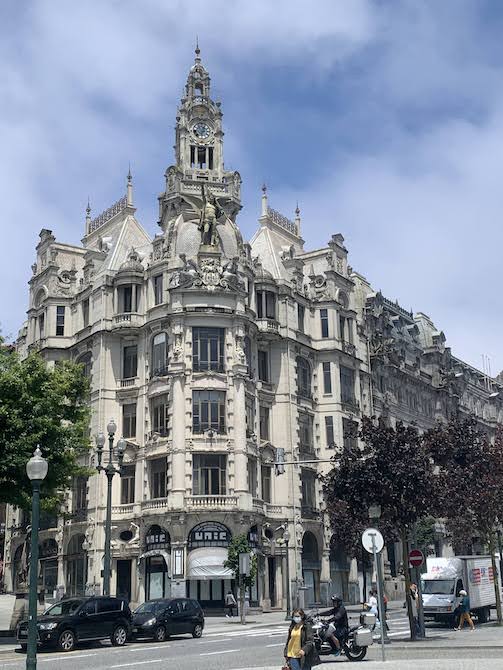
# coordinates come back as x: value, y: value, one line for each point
x: 156, y: 559
x: 76, y: 566
x: 48, y: 573
x: 207, y: 579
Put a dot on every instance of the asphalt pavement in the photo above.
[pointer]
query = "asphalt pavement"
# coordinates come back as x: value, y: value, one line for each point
x: 226, y: 645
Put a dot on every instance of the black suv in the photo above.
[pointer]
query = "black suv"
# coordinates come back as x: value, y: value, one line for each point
x: 75, y: 620
x: 161, y: 618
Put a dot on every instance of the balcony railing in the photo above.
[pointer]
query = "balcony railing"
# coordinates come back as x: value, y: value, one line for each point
x: 273, y: 510
x: 128, y: 320
x: 350, y: 405
x: 349, y: 348
x: 127, y: 508
x: 128, y: 382
x: 155, y: 503
x: 270, y: 326
x: 212, y: 502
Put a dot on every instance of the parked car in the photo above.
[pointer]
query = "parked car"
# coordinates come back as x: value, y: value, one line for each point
x: 75, y: 620
x: 158, y: 619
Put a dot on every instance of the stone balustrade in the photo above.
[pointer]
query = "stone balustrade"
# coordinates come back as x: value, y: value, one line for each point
x: 212, y: 502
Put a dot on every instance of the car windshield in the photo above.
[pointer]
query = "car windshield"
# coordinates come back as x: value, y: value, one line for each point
x: 440, y: 586
x: 152, y: 607
x: 64, y: 608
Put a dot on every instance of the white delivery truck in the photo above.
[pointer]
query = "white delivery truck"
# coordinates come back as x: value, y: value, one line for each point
x: 446, y: 577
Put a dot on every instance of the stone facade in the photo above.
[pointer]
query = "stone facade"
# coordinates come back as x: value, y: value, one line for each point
x: 212, y: 353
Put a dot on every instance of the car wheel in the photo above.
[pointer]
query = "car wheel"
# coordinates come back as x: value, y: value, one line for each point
x: 197, y: 631
x: 160, y: 634
x: 66, y: 641
x: 119, y: 636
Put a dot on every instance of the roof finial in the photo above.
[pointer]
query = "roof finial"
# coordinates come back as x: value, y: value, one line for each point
x: 88, y: 208
x: 88, y: 216
x: 264, y: 199
x: 129, y: 190
x: 297, y: 219
x: 198, y: 50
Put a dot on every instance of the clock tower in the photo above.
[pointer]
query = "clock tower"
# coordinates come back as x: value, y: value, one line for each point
x: 198, y: 152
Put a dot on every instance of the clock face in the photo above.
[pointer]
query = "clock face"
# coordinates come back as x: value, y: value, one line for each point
x: 201, y: 131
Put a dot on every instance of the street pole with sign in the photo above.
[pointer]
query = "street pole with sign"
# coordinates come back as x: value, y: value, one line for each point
x: 373, y: 542
x: 244, y: 571
x: 416, y: 560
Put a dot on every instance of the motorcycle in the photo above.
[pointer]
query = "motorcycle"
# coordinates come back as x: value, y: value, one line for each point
x: 354, y: 643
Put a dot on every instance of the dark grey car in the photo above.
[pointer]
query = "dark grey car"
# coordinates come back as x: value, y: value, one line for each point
x: 159, y: 619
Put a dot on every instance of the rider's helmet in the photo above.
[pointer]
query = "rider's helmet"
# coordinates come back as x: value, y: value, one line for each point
x: 336, y: 599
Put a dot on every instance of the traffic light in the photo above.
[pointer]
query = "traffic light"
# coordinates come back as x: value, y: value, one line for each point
x: 279, y: 463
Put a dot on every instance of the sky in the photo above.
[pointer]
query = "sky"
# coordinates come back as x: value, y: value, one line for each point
x: 383, y: 120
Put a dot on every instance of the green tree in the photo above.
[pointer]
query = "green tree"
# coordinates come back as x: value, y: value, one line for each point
x: 469, y: 472
x: 41, y: 406
x: 393, y: 469
x: 239, y: 545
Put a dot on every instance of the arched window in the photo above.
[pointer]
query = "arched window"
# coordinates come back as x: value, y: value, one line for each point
x: 86, y: 360
x: 303, y: 377
x: 159, y: 355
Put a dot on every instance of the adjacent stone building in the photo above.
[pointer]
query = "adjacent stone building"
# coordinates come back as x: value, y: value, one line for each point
x: 211, y: 354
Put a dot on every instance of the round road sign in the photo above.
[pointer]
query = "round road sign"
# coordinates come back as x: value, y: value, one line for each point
x: 416, y: 558
x: 372, y: 537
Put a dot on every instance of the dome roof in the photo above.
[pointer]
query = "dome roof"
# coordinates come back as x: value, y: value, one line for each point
x: 132, y: 262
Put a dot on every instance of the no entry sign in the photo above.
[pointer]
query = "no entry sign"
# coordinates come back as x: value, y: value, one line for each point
x: 416, y: 558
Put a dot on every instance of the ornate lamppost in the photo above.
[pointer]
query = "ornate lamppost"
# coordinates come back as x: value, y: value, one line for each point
x: 110, y: 470
x: 36, y: 469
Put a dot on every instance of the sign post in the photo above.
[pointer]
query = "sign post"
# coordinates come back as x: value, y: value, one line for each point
x: 416, y: 560
x: 373, y: 542
x: 244, y: 571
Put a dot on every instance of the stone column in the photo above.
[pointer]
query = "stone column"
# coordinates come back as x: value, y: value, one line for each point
x: 266, y: 604
x: 354, y: 586
x: 240, y: 457
x: 177, y: 491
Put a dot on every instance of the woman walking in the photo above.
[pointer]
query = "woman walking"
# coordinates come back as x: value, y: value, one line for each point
x: 464, y: 612
x: 300, y: 651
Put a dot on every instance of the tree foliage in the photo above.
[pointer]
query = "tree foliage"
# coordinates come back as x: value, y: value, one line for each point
x: 46, y: 407
x: 239, y: 545
x: 391, y: 469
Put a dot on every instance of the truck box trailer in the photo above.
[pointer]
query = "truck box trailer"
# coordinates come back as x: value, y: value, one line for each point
x: 446, y: 577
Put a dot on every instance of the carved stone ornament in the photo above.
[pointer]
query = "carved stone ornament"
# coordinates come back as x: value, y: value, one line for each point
x: 210, y: 274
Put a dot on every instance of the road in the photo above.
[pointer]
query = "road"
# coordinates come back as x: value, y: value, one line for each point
x: 232, y: 647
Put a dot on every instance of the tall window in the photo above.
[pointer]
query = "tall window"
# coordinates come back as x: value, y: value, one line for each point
x: 208, y: 411
x: 129, y: 420
x: 264, y: 422
x: 301, y: 312
x: 347, y: 385
x: 263, y: 365
x: 126, y: 299
x: 324, y: 322
x: 60, y: 320
x: 85, y: 312
x: 86, y: 360
x: 266, y: 482
x: 130, y: 361
x: 208, y: 349
x: 127, y: 484
x: 306, y: 442
x: 250, y: 415
x: 346, y: 329
x: 158, y: 476
x: 41, y: 325
x: 159, y: 414
x: 209, y: 474
x: 327, y: 378
x: 248, y: 354
x: 266, y: 305
x: 79, y: 494
x: 303, y: 377
x: 159, y: 354
x: 329, y: 432
x: 158, y: 292
x: 308, y: 479
x: 252, y: 476
x: 349, y: 434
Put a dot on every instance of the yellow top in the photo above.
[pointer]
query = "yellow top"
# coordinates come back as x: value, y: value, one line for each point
x: 294, y: 646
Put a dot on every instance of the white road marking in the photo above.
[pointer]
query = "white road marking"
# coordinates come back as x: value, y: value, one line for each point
x: 223, y: 651
x: 139, y: 648
x: 275, y: 645
x: 66, y: 658
x: 125, y: 665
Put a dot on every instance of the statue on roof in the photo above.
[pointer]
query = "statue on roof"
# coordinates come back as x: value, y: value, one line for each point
x: 209, y: 210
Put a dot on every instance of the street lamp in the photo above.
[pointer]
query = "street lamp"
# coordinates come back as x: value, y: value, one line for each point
x: 110, y: 470
x: 36, y: 469
x: 375, y: 515
x: 286, y: 537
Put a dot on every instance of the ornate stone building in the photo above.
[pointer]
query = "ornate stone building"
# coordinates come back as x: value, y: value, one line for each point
x: 211, y: 354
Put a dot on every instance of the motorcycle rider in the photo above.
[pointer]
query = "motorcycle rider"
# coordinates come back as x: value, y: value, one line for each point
x: 338, y: 622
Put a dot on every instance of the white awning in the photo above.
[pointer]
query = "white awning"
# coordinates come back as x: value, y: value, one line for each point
x: 208, y: 563
x: 158, y: 552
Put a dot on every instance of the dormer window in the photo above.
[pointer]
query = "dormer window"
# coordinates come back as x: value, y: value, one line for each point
x: 266, y: 305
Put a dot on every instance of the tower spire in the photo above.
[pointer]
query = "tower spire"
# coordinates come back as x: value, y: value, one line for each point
x: 88, y: 216
x: 297, y: 219
x: 129, y: 190
x: 198, y: 51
